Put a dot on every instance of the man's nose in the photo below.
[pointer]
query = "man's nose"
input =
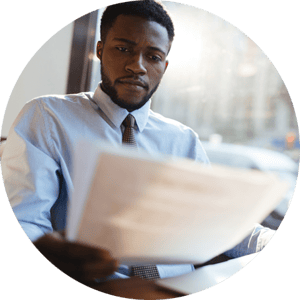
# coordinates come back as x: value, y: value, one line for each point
x: 136, y: 64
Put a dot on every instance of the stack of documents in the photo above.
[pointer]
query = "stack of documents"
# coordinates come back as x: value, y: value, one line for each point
x: 160, y: 210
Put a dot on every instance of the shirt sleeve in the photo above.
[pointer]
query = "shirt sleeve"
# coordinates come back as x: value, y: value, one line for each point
x: 196, y: 150
x: 253, y: 243
x: 30, y: 170
x: 201, y: 154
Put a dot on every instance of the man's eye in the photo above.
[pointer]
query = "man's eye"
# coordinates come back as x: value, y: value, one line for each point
x: 155, y: 57
x: 122, y: 49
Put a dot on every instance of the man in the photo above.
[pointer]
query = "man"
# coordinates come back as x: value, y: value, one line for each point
x: 136, y: 38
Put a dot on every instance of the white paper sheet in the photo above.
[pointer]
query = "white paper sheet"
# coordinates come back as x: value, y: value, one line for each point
x: 148, y: 211
x: 205, y: 277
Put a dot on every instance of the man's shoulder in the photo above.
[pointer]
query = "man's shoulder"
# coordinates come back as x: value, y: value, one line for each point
x: 177, y: 138
x: 169, y: 123
x: 61, y: 100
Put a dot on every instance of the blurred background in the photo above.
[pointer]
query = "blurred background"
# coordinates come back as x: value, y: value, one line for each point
x: 219, y: 82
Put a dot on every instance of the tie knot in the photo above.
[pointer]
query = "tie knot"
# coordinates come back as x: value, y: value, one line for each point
x: 129, y: 121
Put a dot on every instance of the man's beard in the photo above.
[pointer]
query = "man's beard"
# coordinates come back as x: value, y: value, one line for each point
x: 108, y: 88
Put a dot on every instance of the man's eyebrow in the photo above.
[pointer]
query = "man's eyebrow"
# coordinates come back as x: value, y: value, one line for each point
x: 134, y: 43
x: 158, y: 49
x: 125, y: 41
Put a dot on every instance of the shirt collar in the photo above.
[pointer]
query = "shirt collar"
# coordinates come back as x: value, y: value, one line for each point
x: 117, y: 114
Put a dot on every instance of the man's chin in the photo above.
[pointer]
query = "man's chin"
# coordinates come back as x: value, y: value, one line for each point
x: 128, y: 101
x: 130, y: 106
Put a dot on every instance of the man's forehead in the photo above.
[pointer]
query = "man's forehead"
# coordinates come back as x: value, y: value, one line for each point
x: 136, y: 28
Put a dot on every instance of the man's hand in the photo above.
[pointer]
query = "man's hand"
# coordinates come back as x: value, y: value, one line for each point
x: 81, y: 262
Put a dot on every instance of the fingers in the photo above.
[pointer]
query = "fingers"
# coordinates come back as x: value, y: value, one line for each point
x: 67, y: 266
x: 79, y: 261
x: 85, y: 272
x: 91, y: 271
x: 62, y: 233
x: 51, y: 244
x: 85, y: 252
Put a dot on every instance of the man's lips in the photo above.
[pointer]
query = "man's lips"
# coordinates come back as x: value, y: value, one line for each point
x: 133, y: 82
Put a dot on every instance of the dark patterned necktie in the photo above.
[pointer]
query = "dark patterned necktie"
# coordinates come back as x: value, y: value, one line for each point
x: 147, y: 271
x: 128, y: 135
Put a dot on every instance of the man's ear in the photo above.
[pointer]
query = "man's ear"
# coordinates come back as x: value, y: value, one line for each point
x: 99, y: 49
x: 167, y: 63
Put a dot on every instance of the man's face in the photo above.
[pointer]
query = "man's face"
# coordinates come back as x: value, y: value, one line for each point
x: 133, y: 60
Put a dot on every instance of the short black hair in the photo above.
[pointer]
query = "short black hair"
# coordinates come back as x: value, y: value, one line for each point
x: 148, y: 9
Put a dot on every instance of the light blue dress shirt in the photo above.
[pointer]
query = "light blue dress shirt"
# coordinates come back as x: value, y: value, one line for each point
x: 37, y: 160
